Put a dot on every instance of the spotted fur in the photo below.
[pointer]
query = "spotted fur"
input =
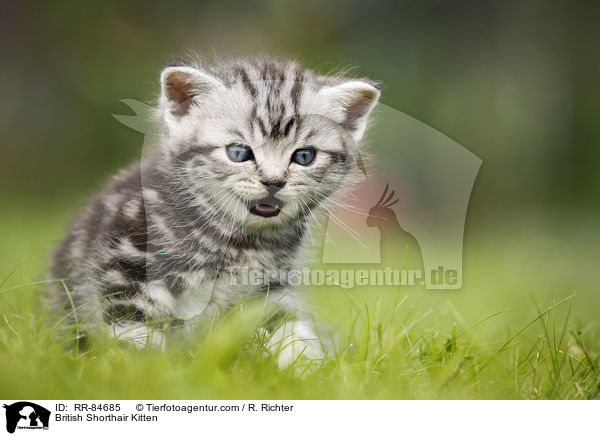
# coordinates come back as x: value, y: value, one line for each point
x: 153, y: 248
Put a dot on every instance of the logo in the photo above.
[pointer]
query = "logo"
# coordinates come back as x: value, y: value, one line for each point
x: 26, y: 415
x: 417, y: 225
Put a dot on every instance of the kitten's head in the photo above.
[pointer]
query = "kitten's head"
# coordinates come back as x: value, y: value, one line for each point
x: 264, y: 142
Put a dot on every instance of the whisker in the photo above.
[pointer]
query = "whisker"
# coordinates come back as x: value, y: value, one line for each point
x: 345, y: 227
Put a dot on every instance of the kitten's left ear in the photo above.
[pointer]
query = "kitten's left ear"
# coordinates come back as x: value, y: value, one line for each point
x: 351, y: 103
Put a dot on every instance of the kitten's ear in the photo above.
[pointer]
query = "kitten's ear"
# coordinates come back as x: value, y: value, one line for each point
x: 182, y: 86
x: 351, y: 103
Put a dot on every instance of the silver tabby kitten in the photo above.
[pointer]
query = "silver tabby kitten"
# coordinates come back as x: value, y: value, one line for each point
x: 246, y: 155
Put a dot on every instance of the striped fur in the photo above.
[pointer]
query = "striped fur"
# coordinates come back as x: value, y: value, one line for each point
x: 154, y: 247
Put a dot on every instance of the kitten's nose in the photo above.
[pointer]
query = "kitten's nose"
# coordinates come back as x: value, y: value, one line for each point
x: 273, y: 185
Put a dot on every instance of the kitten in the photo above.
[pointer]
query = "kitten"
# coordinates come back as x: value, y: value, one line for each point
x: 247, y: 154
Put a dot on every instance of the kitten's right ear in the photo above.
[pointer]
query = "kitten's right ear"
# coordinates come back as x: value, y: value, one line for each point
x: 182, y: 86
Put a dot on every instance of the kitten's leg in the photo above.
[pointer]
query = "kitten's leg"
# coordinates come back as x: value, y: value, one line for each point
x: 138, y: 334
x: 139, y: 320
x: 296, y: 339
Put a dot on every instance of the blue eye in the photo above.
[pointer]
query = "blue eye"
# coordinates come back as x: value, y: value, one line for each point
x: 239, y: 152
x: 304, y: 156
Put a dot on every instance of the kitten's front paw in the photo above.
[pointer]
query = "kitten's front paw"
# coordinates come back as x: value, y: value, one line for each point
x: 295, y: 341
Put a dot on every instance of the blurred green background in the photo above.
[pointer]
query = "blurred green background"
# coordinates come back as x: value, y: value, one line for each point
x: 514, y: 82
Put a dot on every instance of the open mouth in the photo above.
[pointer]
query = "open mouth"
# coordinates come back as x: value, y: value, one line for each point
x: 266, y: 207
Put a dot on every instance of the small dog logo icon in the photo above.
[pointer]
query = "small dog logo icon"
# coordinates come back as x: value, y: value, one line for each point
x: 26, y: 415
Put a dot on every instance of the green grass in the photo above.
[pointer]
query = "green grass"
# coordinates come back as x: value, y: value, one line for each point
x: 398, y: 355
x: 519, y: 335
